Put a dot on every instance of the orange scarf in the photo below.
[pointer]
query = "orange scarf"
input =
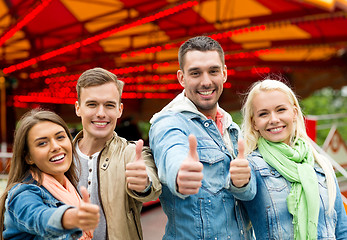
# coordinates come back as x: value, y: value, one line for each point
x: 67, y: 194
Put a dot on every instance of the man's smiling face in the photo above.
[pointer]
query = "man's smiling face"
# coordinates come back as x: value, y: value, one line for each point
x: 203, y: 77
x: 99, y: 109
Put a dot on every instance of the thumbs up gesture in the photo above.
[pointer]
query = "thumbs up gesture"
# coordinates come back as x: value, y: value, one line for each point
x: 87, y: 213
x: 190, y: 175
x: 240, y: 172
x: 136, y: 174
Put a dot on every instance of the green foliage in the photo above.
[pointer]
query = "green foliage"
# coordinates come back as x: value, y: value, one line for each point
x: 323, y: 102
x: 144, y: 129
x: 237, y: 117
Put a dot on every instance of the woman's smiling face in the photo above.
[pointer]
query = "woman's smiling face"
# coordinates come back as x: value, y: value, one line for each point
x: 50, y: 149
x: 274, y: 116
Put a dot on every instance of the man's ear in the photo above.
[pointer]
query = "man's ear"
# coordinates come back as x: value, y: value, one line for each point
x: 121, y: 106
x: 225, y: 74
x: 77, y: 109
x: 180, y: 77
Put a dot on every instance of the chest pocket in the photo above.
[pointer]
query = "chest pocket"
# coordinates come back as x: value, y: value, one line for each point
x: 327, y: 221
x: 273, y: 179
x: 323, y: 189
x: 215, y: 168
x: 321, y: 177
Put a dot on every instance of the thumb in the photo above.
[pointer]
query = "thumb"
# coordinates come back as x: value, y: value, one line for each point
x: 85, y: 194
x: 193, y: 154
x: 241, y: 148
x: 139, y: 146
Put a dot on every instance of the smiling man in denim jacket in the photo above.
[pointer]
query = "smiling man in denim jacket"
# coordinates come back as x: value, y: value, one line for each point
x: 194, y: 143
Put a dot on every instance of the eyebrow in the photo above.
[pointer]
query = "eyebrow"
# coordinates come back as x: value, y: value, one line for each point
x: 114, y: 102
x: 93, y: 101
x: 42, y: 138
x: 261, y: 110
x: 264, y: 109
x: 198, y: 68
x: 193, y: 69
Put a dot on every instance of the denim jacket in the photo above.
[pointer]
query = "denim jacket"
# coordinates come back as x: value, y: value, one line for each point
x: 269, y: 213
x: 33, y: 213
x: 214, y: 212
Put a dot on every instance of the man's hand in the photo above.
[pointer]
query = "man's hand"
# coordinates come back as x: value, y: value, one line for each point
x: 240, y: 172
x: 190, y: 175
x: 136, y: 174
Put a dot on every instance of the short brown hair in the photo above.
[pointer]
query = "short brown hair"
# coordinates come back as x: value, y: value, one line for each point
x: 96, y: 77
x: 199, y: 43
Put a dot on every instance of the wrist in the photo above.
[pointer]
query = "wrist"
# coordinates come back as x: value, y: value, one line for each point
x: 68, y: 220
x: 148, y: 187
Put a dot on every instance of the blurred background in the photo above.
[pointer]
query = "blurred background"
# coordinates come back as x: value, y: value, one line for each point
x: 46, y: 44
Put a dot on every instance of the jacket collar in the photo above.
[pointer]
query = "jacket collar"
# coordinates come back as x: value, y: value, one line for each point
x: 80, y: 136
x: 182, y: 104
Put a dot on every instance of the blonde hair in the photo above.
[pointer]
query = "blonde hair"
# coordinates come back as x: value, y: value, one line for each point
x: 251, y: 135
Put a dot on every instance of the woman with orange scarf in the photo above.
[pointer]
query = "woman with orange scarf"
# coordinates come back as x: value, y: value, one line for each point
x: 41, y: 200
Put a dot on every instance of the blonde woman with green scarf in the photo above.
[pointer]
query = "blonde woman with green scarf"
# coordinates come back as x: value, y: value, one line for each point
x: 297, y: 193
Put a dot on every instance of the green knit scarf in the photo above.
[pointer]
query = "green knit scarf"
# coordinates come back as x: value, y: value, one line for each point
x: 296, y: 165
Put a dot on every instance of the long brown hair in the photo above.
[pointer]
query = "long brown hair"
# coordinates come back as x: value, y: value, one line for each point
x: 19, y: 168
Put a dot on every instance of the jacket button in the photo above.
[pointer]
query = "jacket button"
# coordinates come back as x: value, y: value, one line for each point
x: 206, y: 124
x: 106, y: 159
x: 104, y: 165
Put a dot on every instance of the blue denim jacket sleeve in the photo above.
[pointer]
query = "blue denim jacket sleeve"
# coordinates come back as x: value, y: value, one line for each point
x: 341, y: 224
x: 28, y: 209
x: 169, y: 144
x: 245, y: 193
